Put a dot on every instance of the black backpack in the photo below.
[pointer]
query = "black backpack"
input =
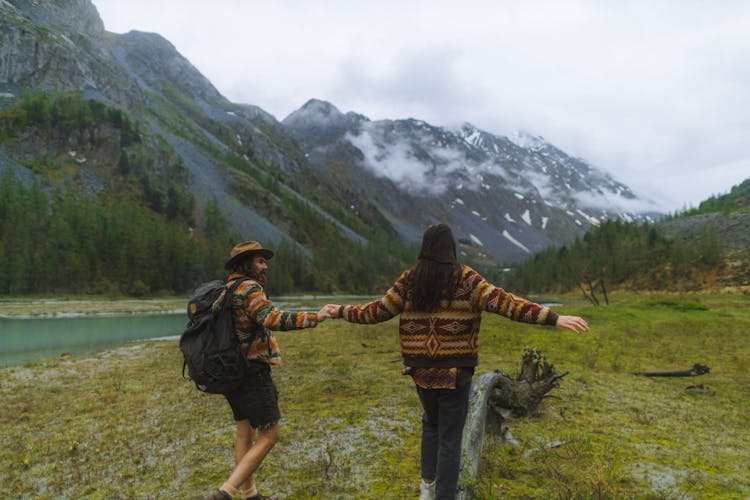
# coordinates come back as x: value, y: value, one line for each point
x: 209, y: 344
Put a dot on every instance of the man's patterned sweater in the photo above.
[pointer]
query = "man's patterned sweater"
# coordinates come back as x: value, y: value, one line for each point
x: 255, y: 316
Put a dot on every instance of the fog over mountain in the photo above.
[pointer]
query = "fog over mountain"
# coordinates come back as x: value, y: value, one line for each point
x: 510, y: 197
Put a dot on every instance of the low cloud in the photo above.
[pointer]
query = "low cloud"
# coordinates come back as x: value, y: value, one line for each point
x: 433, y: 172
x: 395, y: 162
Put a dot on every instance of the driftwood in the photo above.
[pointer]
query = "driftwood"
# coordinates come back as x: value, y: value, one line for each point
x: 496, y: 396
x: 697, y: 369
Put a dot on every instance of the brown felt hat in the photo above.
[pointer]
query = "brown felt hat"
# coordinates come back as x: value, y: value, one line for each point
x: 242, y: 250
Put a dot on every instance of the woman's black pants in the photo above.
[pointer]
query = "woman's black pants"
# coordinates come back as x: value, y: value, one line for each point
x: 442, y: 427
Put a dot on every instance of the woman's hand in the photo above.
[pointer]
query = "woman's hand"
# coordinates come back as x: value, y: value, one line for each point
x: 575, y: 323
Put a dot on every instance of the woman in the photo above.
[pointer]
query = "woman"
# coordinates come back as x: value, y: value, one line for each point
x: 440, y: 303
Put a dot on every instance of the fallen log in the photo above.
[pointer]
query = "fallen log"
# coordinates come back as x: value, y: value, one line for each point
x: 494, y: 397
x: 477, y: 421
x: 696, y: 370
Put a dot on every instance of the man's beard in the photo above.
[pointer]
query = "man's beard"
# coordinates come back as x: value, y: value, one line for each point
x: 260, y: 277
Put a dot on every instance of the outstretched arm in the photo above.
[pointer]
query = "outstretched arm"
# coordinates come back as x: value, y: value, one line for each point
x: 263, y: 312
x: 383, y: 309
x: 494, y: 299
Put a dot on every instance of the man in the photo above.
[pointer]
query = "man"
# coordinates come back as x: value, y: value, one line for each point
x: 440, y: 303
x: 255, y: 404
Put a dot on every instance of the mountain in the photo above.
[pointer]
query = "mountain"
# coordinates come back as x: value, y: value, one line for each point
x: 128, y: 117
x: 507, y: 198
x: 727, y: 214
x: 62, y: 46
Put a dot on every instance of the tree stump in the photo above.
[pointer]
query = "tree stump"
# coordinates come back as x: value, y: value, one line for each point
x: 496, y: 396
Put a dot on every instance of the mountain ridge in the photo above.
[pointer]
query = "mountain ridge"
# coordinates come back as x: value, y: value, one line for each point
x: 317, y: 178
x: 413, y: 166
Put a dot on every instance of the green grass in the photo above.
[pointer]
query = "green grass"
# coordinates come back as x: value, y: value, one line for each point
x: 123, y: 424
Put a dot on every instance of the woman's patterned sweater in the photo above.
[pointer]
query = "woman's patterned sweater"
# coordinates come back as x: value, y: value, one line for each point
x: 448, y: 337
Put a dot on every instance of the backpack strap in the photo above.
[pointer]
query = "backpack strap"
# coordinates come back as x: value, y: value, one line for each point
x: 219, y: 302
x: 246, y: 344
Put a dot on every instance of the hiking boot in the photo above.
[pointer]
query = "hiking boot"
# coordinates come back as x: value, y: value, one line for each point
x: 219, y: 495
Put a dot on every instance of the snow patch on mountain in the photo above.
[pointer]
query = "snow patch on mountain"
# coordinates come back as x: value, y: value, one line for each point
x: 526, y: 216
x: 527, y: 140
x: 517, y: 243
x: 590, y: 218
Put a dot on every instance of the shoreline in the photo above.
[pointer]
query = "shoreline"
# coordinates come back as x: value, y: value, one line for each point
x: 20, y: 308
x: 56, y: 308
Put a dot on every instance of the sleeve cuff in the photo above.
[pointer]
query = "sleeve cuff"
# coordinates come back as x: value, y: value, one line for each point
x: 551, y: 318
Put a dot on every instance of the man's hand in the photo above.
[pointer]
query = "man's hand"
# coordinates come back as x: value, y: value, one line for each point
x: 575, y: 323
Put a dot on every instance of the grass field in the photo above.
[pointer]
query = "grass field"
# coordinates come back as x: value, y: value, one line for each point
x: 124, y: 424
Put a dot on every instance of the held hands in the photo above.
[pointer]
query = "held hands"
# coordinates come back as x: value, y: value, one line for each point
x: 575, y: 323
x: 327, y: 311
x: 333, y: 310
x: 323, y: 314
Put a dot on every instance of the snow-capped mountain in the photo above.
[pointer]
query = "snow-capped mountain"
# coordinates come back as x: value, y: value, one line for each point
x: 508, y: 197
x: 278, y: 181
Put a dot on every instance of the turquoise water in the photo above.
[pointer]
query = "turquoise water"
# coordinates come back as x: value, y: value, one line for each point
x: 32, y: 339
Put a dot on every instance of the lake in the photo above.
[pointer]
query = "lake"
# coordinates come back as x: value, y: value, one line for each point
x: 31, y: 337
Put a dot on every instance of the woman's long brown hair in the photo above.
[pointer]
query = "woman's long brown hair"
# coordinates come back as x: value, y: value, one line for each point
x: 435, y: 275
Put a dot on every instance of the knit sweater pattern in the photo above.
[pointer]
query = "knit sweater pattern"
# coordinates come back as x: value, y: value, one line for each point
x: 448, y: 337
x: 255, y: 317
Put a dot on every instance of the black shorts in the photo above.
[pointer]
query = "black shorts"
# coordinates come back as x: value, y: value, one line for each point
x: 257, y: 399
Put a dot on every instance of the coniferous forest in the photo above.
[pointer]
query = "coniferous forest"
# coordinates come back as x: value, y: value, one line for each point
x: 63, y: 241
x: 139, y: 235
x: 619, y: 254
x: 55, y: 241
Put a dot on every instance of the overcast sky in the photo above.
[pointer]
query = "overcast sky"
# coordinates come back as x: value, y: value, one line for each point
x: 657, y: 93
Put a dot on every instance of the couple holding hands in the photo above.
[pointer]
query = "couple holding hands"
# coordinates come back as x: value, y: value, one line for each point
x: 439, y: 303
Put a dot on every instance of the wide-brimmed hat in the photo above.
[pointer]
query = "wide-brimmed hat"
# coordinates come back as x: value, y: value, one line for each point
x: 242, y: 250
